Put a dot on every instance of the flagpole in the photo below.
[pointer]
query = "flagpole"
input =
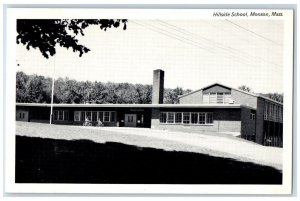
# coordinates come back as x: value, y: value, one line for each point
x: 52, y: 92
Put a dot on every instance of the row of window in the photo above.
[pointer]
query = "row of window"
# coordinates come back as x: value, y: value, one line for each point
x: 61, y: 115
x: 273, y: 112
x: 217, y: 98
x: 202, y: 118
x: 104, y: 116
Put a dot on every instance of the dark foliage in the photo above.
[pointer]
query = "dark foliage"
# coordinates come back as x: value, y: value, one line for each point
x: 274, y: 96
x: 46, y: 34
x: 37, y: 89
x: 82, y: 161
x: 245, y: 88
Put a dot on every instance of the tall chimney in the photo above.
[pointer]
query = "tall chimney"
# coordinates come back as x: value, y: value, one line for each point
x: 158, y: 86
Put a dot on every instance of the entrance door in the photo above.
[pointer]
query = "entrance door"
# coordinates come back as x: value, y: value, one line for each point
x: 22, y: 115
x: 130, y: 120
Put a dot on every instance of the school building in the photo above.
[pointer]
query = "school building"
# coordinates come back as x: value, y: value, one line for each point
x: 215, y: 108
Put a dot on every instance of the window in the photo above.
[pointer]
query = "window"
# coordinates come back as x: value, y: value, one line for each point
x: 76, y: 116
x: 55, y: 115
x: 106, y: 116
x: 66, y: 115
x: 252, y: 116
x: 209, y: 118
x: 83, y: 116
x: 194, y: 118
x: 201, y: 118
x: 142, y: 119
x: 170, y: 117
x: 266, y: 112
x: 94, y: 116
x: 277, y: 113
x: 220, y: 98
x: 186, y: 117
x: 88, y: 115
x: 178, y: 117
x: 129, y: 118
x: 61, y: 115
x: 213, y: 98
x: 281, y: 115
x: 22, y: 115
x: 113, y: 116
x: 163, y: 117
x: 100, y: 116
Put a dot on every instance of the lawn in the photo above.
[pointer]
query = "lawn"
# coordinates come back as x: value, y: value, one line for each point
x: 45, y: 160
x: 204, y: 143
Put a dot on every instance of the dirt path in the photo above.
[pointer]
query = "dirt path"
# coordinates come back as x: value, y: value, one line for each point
x: 223, y: 146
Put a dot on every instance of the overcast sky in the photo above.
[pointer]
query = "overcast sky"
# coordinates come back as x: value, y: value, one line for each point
x: 193, y: 54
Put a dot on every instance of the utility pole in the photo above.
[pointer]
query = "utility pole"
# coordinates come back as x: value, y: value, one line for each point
x: 52, y: 91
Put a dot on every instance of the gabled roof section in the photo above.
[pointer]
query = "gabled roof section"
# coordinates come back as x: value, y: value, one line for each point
x: 216, y: 83
x: 225, y: 86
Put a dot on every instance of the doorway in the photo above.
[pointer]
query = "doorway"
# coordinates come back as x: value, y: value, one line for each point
x: 130, y: 120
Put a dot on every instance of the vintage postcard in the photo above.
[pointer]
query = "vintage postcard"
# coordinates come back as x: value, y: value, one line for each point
x: 176, y: 101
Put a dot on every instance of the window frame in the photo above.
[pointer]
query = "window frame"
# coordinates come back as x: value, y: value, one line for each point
x: 216, y: 97
x: 163, y: 117
x: 104, y: 116
x: 178, y: 122
x: 170, y: 117
x: 77, y: 114
x: 201, y: 115
x: 186, y: 118
x: 61, y: 115
x: 194, y: 115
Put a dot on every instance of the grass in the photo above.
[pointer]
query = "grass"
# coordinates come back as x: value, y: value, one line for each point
x: 43, y: 160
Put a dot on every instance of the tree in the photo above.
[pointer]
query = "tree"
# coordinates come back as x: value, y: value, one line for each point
x: 171, y: 95
x: 36, y: 88
x: 21, y: 91
x: 245, y: 88
x: 46, y: 34
x: 143, y: 93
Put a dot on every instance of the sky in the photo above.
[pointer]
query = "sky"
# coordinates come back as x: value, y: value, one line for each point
x: 193, y: 54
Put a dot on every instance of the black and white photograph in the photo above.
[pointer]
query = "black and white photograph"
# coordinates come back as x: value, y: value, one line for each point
x: 134, y: 97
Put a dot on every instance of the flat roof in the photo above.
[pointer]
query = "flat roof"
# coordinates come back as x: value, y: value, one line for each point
x: 135, y: 105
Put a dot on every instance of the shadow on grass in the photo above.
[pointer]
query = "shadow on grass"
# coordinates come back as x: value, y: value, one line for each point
x: 82, y: 161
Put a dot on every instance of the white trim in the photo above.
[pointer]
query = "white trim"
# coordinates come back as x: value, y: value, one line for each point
x: 136, y: 105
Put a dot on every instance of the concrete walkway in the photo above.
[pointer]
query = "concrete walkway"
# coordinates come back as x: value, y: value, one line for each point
x: 221, y: 146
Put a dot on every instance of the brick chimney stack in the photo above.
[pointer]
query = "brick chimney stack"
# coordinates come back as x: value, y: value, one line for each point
x: 158, y: 86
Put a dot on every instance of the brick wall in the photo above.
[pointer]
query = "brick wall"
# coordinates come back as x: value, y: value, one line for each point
x: 243, y: 99
x: 260, y: 120
x: 248, y: 125
x: 225, y: 120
